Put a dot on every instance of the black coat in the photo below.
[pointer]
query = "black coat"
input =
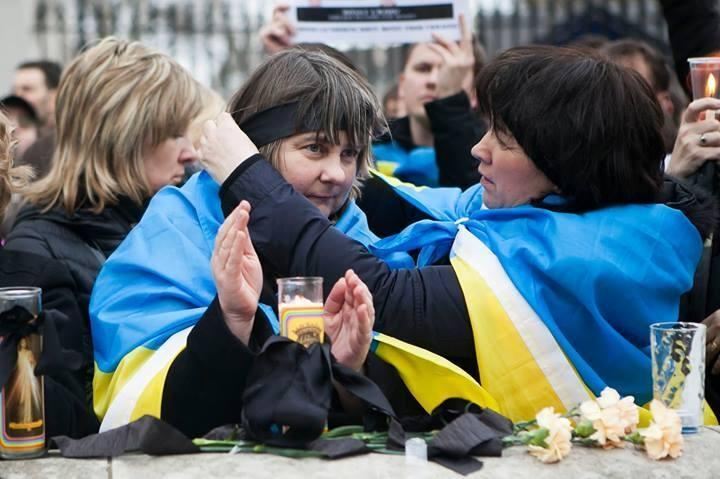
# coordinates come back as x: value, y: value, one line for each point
x: 81, y: 241
x: 63, y: 255
x: 68, y: 410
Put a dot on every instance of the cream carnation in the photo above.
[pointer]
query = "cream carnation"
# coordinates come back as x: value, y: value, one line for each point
x: 611, y: 417
x: 557, y: 443
x: 664, y: 436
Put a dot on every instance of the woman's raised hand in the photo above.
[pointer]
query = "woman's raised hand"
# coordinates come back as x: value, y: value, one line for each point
x: 237, y: 272
x: 458, y: 60
x: 278, y: 35
x: 224, y: 146
x: 349, y: 318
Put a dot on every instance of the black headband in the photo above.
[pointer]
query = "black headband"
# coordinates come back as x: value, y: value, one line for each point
x: 276, y: 123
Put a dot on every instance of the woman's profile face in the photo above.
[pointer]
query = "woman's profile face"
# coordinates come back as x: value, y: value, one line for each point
x: 509, y: 177
x: 165, y: 164
x: 321, y: 171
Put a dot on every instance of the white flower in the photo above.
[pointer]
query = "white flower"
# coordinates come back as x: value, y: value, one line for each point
x: 611, y: 417
x: 608, y: 398
x: 664, y: 436
x: 557, y: 442
x: 629, y: 413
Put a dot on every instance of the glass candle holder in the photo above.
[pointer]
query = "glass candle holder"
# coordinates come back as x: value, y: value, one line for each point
x: 300, y: 307
x: 705, y: 77
x: 22, y: 399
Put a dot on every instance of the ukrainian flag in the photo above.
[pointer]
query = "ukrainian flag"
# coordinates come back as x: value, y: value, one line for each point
x: 560, y: 303
x: 155, y: 288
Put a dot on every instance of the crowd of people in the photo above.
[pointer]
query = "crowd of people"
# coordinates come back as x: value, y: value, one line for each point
x: 498, y: 230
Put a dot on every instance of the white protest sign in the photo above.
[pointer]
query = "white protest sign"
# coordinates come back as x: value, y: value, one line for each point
x: 375, y: 22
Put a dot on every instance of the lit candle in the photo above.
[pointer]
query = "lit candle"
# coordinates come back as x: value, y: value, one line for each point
x: 300, y: 307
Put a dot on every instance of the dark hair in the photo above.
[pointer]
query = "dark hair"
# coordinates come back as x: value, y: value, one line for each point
x: 332, y: 53
x: 27, y: 116
x: 593, y: 127
x: 328, y: 92
x: 629, y: 47
x: 51, y: 70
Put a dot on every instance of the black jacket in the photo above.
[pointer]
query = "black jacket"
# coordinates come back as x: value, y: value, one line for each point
x: 67, y: 407
x: 78, y: 245
x: 81, y: 241
x: 456, y: 129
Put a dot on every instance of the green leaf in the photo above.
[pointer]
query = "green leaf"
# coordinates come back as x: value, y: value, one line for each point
x: 538, y: 436
x: 584, y: 429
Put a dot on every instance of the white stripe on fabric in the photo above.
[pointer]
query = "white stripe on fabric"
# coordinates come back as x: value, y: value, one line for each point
x: 537, y: 337
x: 123, y: 404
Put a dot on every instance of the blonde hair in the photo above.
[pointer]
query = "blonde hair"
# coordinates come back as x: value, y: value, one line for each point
x: 327, y: 90
x: 12, y: 179
x: 115, y: 102
x: 213, y: 105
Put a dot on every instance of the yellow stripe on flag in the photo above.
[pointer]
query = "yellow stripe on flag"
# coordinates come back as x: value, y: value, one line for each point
x: 430, y: 378
x: 107, y: 385
x: 150, y: 401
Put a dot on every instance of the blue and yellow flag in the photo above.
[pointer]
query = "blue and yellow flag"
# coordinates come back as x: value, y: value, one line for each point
x: 560, y: 303
x: 417, y: 166
x: 156, y: 286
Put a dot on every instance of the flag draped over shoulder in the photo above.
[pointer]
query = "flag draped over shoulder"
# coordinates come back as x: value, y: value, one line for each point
x: 417, y: 166
x: 156, y: 286
x: 560, y: 303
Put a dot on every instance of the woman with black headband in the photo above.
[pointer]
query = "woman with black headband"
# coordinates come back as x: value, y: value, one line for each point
x: 159, y: 348
x: 541, y: 281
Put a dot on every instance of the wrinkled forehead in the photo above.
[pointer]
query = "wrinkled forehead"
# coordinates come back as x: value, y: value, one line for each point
x: 29, y: 76
x: 421, y: 53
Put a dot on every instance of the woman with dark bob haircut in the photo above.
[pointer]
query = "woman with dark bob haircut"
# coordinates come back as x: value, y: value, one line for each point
x: 541, y: 281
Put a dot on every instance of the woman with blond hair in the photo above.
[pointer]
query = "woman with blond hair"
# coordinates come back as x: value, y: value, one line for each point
x: 123, y: 115
x: 66, y: 409
x: 123, y: 118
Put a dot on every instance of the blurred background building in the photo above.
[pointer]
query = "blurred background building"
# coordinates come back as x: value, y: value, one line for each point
x: 218, y: 39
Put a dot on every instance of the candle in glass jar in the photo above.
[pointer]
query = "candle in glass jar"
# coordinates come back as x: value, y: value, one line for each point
x: 300, y: 307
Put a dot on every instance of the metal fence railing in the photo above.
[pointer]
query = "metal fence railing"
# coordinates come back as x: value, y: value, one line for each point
x: 218, y: 41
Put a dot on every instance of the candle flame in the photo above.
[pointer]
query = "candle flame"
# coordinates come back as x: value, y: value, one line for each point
x: 710, y: 86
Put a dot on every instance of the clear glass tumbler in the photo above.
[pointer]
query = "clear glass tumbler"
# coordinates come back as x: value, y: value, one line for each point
x: 678, y: 369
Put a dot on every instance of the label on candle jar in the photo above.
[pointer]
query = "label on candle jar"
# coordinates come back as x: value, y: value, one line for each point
x: 22, y: 415
x: 302, y: 321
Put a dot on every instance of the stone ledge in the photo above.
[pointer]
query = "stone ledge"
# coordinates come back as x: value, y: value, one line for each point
x: 701, y: 460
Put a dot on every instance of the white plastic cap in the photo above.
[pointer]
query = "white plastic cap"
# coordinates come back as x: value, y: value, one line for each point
x: 415, y: 451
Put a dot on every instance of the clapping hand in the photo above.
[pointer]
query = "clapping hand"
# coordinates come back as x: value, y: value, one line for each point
x: 349, y: 318
x: 237, y: 272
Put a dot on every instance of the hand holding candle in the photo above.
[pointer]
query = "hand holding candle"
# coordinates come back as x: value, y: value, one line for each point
x: 349, y: 318
x: 698, y: 138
